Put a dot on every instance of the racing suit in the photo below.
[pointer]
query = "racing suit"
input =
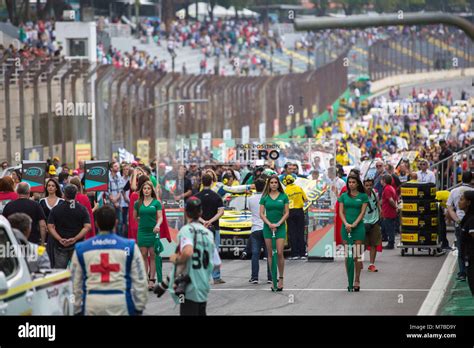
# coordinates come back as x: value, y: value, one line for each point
x: 109, y: 277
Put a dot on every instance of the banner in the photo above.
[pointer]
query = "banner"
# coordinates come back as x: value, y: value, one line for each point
x: 143, y: 150
x: 354, y: 154
x: 34, y: 173
x: 34, y: 153
x: 83, y: 152
x: 96, y: 177
x: 125, y: 156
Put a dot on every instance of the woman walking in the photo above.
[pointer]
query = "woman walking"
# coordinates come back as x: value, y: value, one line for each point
x: 148, y: 213
x: 53, y: 198
x: 352, y: 206
x: 274, y: 210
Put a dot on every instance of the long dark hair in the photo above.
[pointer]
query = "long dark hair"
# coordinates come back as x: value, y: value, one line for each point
x: 142, y: 196
x: 360, y: 187
x: 469, y: 195
x: 266, y: 190
x: 58, y: 188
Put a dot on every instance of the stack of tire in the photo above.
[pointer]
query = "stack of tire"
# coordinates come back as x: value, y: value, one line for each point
x: 419, y: 214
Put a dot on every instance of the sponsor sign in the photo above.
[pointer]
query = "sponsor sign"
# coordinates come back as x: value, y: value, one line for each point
x: 412, y: 237
x: 96, y: 177
x: 34, y: 173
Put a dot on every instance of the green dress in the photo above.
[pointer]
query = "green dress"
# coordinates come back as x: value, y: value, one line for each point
x: 147, y: 214
x: 274, y: 210
x: 352, y: 208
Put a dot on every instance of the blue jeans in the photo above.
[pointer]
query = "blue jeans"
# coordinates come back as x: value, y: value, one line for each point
x: 125, y: 221
x: 118, y: 214
x: 388, y: 230
x: 216, y: 272
x: 461, y: 262
x: 257, y: 242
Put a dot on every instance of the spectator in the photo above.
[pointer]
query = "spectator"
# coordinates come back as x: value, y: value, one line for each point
x: 183, y: 185
x: 125, y: 172
x: 7, y: 193
x: 295, y: 222
x: 425, y: 175
x: 53, y: 198
x: 256, y: 239
x: 212, y: 210
x: 466, y: 203
x: 31, y: 208
x: 68, y: 223
x: 116, y: 193
x: 373, y: 235
x: 457, y: 214
x: 36, y: 255
x: 389, y: 211
x: 125, y: 274
x: 84, y: 200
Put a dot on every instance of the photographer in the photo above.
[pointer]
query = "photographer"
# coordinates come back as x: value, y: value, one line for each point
x: 190, y: 277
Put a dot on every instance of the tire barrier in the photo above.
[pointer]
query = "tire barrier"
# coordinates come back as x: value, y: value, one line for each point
x: 419, y: 214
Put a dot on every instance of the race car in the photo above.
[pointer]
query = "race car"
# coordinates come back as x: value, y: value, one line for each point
x: 236, y: 223
x: 26, y: 289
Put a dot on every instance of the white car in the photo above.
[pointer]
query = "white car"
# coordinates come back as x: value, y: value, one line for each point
x: 23, y: 292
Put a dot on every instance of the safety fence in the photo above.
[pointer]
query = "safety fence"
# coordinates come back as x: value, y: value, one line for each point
x: 400, y: 54
x: 51, y: 105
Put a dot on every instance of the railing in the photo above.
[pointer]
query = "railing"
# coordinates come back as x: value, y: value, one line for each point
x: 446, y: 170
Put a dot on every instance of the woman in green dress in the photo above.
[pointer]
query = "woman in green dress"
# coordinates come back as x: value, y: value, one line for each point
x: 274, y: 211
x: 352, y: 206
x: 148, y: 213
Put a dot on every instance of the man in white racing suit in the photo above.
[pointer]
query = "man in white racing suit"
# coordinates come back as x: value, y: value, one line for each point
x: 108, y: 272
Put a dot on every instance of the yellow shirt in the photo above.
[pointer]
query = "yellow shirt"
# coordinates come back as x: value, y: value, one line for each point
x: 296, y: 196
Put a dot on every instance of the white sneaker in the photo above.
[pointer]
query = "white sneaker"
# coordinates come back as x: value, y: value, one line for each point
x: 303, y: 258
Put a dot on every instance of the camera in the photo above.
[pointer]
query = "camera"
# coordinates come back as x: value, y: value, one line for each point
x: 181, y: 282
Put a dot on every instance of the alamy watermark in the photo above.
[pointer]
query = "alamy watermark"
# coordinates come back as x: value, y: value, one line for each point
x: 81, y: 109
x: 19, y: 250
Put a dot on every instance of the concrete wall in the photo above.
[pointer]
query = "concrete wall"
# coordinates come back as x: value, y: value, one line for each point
x: 78, y: 30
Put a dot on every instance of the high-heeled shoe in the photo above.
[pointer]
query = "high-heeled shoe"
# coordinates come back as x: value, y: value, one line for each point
x: 280, y: 289
x: 357, y: 288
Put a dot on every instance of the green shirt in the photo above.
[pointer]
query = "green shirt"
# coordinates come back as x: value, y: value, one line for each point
x: 153, y: 180
x: 372, y: 212
x: 147, y: 215
x: 353, y: 205
x: 200, y: 266
x: 274, y: 208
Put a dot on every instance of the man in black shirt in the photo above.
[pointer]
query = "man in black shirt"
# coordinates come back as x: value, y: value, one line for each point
x: 212, y: 210
x: 31, y: 208
x: 446, y: 167
x: 68, y: 223
x: 183, y: 185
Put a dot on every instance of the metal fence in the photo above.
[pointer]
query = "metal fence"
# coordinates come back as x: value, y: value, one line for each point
x: 40, y: 101
x: 428, y: 52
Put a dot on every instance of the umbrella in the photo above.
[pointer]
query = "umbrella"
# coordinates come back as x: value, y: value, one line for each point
x: 158, y: 246
x: 274, y: 262
x: 350, y: 264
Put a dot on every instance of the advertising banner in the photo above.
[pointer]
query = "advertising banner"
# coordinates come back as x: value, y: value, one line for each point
x: 96, y: 177
x: 34, y: 173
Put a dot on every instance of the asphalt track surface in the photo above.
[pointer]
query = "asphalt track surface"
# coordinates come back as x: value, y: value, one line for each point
x: 320, y: 288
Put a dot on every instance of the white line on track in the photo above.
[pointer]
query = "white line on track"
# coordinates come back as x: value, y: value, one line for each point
x: 321, y: 290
